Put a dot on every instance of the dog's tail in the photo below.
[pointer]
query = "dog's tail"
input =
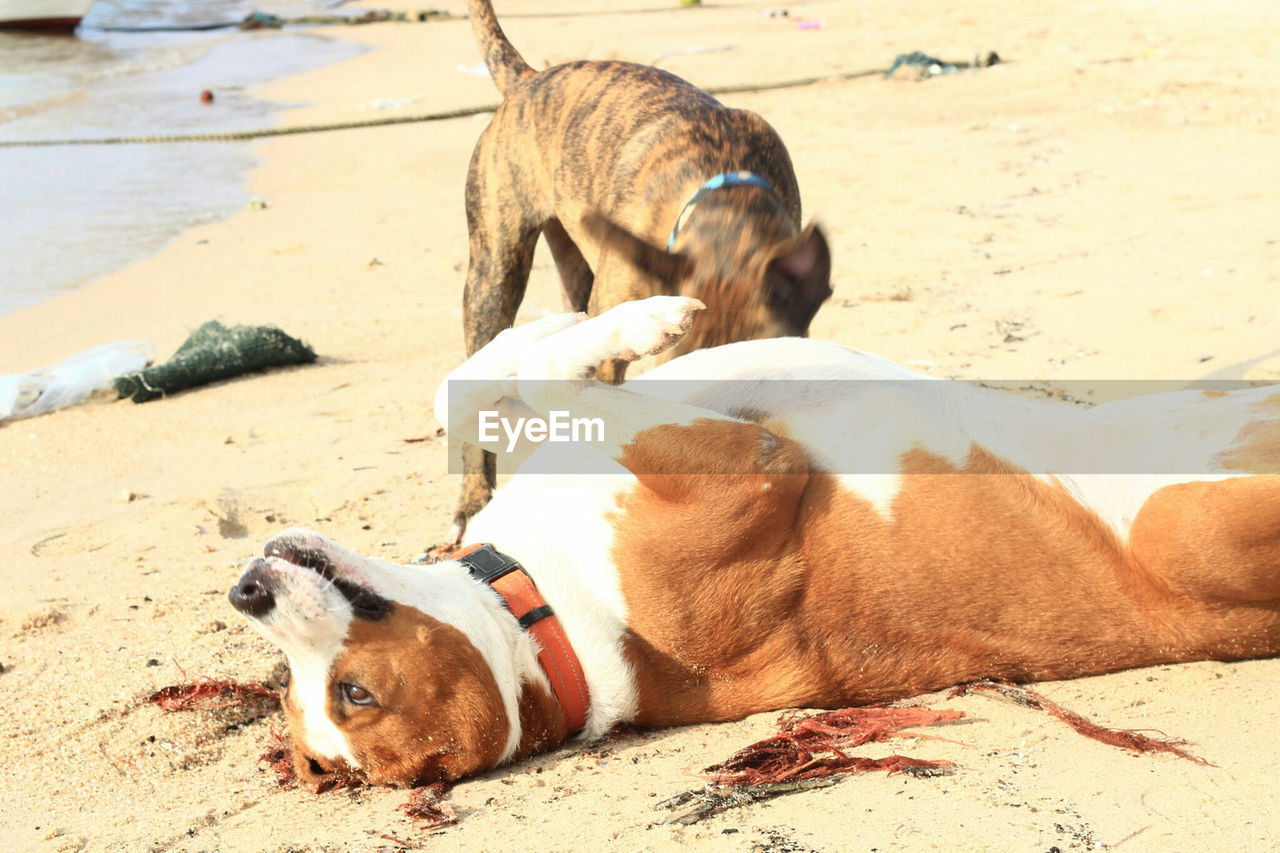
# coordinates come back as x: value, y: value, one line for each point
x: 505, y: 63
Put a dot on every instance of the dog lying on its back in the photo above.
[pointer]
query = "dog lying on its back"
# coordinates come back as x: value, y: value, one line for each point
x: 710, y: 567
x: 642, y: 184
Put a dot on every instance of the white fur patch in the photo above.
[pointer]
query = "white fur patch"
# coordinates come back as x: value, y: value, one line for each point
x: 309, y: 623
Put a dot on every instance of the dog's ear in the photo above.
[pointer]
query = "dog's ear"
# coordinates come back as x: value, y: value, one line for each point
x: 799, y: 277
x: 663, y: 265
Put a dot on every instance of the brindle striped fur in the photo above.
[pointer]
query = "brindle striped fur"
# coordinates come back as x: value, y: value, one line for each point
x: 599, y: 158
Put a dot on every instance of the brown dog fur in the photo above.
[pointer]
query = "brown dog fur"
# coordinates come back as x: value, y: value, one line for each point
x: 600, y: 158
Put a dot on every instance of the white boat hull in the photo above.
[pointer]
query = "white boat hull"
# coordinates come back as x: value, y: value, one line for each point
x: 42, y: 15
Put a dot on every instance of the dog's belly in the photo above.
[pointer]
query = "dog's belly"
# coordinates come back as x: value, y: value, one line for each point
x: 975, y: 575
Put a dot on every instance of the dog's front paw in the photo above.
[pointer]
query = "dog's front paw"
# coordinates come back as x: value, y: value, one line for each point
x: 628, y: 331
x: 649, y: 326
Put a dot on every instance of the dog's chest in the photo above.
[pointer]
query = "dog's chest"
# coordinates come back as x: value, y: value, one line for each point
x: 561, y: 528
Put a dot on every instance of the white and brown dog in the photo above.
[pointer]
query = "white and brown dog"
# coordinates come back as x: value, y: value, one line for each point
x: 730, y: 547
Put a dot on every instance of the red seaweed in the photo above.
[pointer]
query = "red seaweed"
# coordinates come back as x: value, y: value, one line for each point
x: 806, y: 749
x: 1123, y: 738
x: 816, y: 746
x: 200, y: 695
x: 280, y: 759
x: 426, y: 806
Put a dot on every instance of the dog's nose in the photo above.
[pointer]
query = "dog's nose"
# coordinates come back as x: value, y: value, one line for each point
x: 253, y: 595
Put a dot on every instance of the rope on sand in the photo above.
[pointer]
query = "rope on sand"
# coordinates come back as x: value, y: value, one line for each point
x: 444, y: 115
x: 258, y: 133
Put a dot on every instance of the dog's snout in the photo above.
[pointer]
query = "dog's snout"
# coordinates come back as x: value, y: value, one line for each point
x: 253, y: 595
x: 322, y: 774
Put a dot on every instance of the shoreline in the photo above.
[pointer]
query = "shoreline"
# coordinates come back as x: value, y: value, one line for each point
x: 1052, y: 218
x: 82, y: 212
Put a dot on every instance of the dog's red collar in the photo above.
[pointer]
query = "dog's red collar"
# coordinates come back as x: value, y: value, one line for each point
x: 556, y: 656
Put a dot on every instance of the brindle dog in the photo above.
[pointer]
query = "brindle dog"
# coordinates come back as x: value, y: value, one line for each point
x: 642, y: 184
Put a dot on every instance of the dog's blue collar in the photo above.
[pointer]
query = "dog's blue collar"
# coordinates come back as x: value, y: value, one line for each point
x: 724, y: 179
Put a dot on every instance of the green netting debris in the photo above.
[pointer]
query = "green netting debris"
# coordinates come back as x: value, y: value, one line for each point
x: 215, y: 352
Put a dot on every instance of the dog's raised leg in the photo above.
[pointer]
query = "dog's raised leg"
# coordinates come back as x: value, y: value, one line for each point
x: 487, y: 381
x: 695, y: 464
x: 489, y: 375
x: 627, y: 332
x: 630, y: 269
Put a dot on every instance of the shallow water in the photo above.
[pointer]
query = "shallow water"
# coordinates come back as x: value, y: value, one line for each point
x: 69, y: 214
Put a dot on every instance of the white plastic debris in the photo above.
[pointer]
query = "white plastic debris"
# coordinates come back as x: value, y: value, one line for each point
x: 56, y: 386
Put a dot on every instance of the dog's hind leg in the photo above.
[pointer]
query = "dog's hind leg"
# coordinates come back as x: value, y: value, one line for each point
x: 576, y: 276
x: 487, y: 310
x: 1212, y: 553
x: 479, y: 476
x: 503, y: 233
x: 482, y: 382
x: 1217, y: 542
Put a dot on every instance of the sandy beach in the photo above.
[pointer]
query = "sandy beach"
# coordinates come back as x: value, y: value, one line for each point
x: 1101, y: 205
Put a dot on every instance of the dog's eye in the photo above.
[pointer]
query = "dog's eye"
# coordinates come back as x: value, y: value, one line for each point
x: 286, y: 678
x: 355, y: 694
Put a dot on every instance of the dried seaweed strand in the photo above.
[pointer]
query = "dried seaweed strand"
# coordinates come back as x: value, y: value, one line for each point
x: 199, y: 694
x: 279, y: 759
x: 1123, y: 738
x: 426, y: 805
x: 715, y: 800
